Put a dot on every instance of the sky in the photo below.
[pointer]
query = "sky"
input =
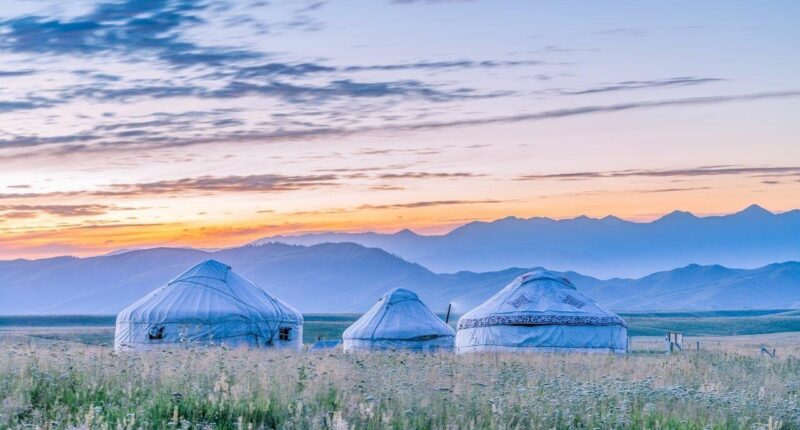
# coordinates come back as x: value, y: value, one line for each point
x: 140, y: 123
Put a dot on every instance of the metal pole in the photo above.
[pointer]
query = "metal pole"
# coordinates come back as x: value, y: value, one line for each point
x: 447, y: 318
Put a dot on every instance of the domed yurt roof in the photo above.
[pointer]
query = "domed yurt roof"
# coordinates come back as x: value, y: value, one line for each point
x: 208, y: 303
x: 541, y: 310
x: 539, y: 298
x: 399, y: 320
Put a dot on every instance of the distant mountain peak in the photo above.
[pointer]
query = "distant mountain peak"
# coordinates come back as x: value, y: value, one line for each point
x: 611, y: 218
x: 678, y: 215
x: 406, y: 232
x: 755, y: 210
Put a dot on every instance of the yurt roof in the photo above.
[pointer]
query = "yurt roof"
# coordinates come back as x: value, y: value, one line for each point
x: 398, y: 315
x: 539, y: 298
x: 206, y: 292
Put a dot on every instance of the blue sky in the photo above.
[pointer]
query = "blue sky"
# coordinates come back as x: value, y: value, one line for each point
x: 143, y: 123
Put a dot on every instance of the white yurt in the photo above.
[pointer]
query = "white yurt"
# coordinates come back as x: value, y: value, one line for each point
x: 399, y: 321
x: 541, y: 311
x: 208, y: 304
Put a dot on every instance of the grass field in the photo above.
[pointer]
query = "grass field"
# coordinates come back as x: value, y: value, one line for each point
x: 60, y: 373
x: 51, y: 384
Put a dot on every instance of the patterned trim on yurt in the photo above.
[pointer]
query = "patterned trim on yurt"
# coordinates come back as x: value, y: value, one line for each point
x: 540, y: 320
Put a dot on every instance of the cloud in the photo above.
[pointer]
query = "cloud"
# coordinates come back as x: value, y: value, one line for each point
x: 590, y: 110
x: 13, y: 73
x: 92, y: 141
x: 672, y: 190
x: 429, y: 1
x: 386, y: 188
x: 18, y: 215
x: 142, y: 91
x: 157, y: 31
x: 343, y: 88
x: 365, y: 169
x: 277, y: 69
x: 682, y: 81
x: 132, y: 27
x: 269, y: 70
x: 30, y: 211
x: 250, y: 183
x: 437, y: 65
x: 201, y: 184
x: 657, y: 173
x: 312, y: 6
x: 251, y: 87
x: 427, y: 175
x: 425, y: 204
x: 632, y: 32
x: 6, y: 106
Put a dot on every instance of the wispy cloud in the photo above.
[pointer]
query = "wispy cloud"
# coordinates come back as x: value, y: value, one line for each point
x: 267, y: 183
x: 319, y: 93
x: 429, y: 1
x: 13, y: 73
x: 672, y: 190
x: 428, y: 175
x: 345, y: 88
x: 682, y: 81
x: 249, y: 183
x: 590, y: 110
x: 30, y: 211
x: 8, y: 106
x: 439, y: 65
x: 425, y: 204
x: 90, y: 141
x: 658, y: 173
x: 278, y: 69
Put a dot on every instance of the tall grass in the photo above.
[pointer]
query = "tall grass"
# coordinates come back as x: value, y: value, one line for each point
x: 63, y: 385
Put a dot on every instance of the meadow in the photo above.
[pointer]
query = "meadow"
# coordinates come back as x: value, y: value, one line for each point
x: 61, y: 373
x: 59, y: 385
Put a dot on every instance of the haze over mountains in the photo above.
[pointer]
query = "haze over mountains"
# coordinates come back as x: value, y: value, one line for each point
x: 606, y: 247
x: 349, y: 278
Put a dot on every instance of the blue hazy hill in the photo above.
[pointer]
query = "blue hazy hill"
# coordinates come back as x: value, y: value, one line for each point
x: 602, y: 247
x: 347, y: 277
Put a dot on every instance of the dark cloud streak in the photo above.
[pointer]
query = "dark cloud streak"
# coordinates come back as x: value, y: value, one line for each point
x: 14, y: 73
x: 682, y: 81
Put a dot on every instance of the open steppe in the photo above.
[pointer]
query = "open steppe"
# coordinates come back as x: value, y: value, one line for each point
x: 50, y: 383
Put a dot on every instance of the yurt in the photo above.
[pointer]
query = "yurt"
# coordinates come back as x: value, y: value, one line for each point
x: 208, y: 304
x: 399, y: 321
x: 541, y: 311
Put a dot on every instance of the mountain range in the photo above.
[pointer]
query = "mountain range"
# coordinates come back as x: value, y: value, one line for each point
x: 346, y: 277
x: 602, y: 247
